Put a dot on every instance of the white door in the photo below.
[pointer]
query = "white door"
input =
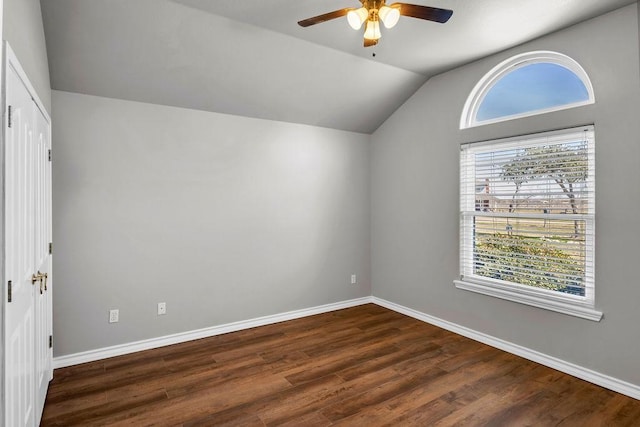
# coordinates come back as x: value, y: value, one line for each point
x: 27, y: 236
x: 19, y: 250
x: 42, y: 228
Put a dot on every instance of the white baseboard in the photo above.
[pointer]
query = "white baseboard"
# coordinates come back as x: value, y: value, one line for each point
x: 119, y: 350
x: 619, y: 386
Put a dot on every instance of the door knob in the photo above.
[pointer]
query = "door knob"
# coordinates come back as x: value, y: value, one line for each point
x: 37, y: 277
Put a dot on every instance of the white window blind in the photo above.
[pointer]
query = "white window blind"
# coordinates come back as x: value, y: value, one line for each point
x: 527, y: 209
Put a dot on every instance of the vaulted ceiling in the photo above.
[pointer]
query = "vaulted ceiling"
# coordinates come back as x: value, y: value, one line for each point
x: 250, y: 58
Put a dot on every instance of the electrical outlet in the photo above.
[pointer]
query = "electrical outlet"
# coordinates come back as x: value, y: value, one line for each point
x: 162, y: 308
x: 353, y: 279
x: 114, y: 316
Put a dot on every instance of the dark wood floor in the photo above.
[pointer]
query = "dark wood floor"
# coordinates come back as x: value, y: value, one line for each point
x: 363, y: 366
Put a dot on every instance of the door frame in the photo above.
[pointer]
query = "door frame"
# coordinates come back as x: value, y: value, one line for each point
x: 2, y: 281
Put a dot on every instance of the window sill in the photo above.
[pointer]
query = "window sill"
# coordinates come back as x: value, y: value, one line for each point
x: 540, y: 302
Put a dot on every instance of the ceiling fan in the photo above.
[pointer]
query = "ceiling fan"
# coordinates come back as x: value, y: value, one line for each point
x: 374, y: 11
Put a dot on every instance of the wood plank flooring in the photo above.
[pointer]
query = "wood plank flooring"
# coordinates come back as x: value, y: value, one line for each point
x: 362, y: 366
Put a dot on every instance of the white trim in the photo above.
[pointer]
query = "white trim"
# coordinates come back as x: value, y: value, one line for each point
x: 486, y: 83
x: 493, y: 290
x: 617, y: 385
x: 122, y: 349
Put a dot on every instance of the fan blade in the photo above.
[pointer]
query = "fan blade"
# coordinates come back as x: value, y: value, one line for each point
x: 424, y: 12
x: 370, y: 42
x: 325, y: 17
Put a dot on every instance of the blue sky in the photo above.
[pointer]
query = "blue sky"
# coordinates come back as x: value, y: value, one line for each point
x: 532, y: 87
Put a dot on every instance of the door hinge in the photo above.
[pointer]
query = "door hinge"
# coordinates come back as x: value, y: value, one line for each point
x: 9, y: 291
x: 50, y: 341
x: 9, y: 116
x: 49, y: 154
x: 50, y: 248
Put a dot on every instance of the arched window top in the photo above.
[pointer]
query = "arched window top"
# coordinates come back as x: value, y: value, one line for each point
x: 525, y: 85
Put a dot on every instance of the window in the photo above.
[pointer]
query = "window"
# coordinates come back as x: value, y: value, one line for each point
x: 527, y: 220
x: 527, y: 84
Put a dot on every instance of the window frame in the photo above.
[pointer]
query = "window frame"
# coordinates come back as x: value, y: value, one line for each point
x: 484, y: 86
x: 575, y: 305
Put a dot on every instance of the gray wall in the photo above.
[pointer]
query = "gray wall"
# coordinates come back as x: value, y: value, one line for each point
x: 415, y: 203
x: 24, y: 31
x: 222, y: 217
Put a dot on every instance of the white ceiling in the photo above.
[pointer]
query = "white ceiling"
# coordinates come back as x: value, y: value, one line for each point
x: 249, y: 57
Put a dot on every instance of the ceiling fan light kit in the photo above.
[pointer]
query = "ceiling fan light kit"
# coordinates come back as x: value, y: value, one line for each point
x: 374, y: 11
x: 389, y: 16
x: 357, y: 17
x: 372, y: 32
